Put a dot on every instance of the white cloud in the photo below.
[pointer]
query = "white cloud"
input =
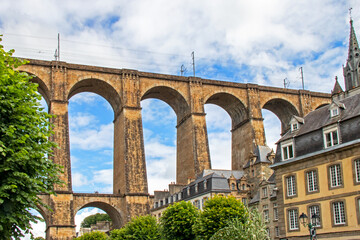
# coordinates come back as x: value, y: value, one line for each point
x: 83, y: 213
x: 38, y: 229
x: 83, y: 98
x: 104, y: 176
x: 93, y: 138
x: 160, y: 165
x: 81, y: 120
x: 79, y: 179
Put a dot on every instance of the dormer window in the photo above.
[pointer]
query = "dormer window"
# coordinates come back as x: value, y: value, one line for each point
x: 335, y: 108
x: 334, y: 112
x: 295, y: 123
x: 294, y: 127
x: 331, y: 136
x: 287, y: 150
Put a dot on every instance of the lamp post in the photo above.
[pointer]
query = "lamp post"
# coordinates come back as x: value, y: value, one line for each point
x: 312, y: 230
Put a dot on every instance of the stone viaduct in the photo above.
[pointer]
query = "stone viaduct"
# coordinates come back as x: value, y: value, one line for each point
x: 124, y: 89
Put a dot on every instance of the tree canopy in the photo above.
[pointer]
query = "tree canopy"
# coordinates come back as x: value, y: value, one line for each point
x: 216, y: 213
x: 93, y: 219
x: 254, y: 228
x: 25, y: 167
x: 177, y: 221
x: 140, y: 228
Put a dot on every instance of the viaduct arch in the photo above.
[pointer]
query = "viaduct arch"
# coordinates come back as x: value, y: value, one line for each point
x: 124, y: 89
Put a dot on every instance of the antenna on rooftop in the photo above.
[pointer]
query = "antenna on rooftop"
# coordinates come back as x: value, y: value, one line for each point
x: 193, y: 61
x: 182, y: 70
x: 286, y: 83
x: 58, y: 49
x: 302, y: 77
x: 56, y: 55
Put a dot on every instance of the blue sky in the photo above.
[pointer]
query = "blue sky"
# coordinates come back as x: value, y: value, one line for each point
x: 260, y: 42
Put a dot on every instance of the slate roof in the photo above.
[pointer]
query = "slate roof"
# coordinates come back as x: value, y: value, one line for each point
x: 320, y: 118
x: 261, y: 153
x: 226, y: 173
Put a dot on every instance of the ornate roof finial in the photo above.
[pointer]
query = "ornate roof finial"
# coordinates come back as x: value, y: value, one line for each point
x: 350, y: 13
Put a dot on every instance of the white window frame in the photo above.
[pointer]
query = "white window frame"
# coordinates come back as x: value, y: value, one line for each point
x: 339, y: 213
x: 276, y: 231
x: 276, y: 213
x: 266, y: 215
x: 294, y: 126
x: 328, y: 135
x: 312, y: 178
x: 357, y: 170
x: 285, y: 147
x: 264, y: 192
x: 293, y: 219
x: 335, y: 175
x: 315, y: 209
x: 334, y: 112
x: 290, y: 182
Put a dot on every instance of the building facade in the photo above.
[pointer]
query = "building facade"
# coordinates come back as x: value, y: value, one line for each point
x: 317, y: 164
x: 210, y: 183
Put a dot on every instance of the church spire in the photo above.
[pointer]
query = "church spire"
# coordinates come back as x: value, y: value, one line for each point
x: 353, y: 44
x: 352, y: 68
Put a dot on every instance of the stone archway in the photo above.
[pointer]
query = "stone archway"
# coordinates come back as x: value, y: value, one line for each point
x: 239, y: 119
x: 283, y: 109
x: 115, y: 214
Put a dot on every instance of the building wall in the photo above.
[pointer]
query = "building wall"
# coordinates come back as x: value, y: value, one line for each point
x: 349, y: 192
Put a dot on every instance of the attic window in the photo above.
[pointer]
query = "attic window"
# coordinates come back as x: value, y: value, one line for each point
x: 294, y: 127
x: 334, y: 112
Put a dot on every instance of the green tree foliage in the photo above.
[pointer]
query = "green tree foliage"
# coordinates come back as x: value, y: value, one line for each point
x: 177, y: 221
x: 140, y: 228
x: 253, y: 228
x: 96, y: 235
x: 25, y: 169
x: 215, y: 215
x: 93, y: 219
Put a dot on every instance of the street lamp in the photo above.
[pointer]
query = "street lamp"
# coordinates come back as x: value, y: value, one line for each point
x: 312, y: 230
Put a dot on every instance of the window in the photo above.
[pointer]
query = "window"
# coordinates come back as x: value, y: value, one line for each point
x: 197, y: 204
x: 293, y: 219
x: 338, y: 209
x: 179, y: 196
x: 357, y: 170
x: 188, y: 191
x: 196, y: 188
x: 291, y: 186
x: 276, y: 213
x: 294, y: 126
x: 315, y: 209
x: 357, y: 202
x: 243, y: 186
x: 334, y: 112
x: 244, y: 201
x: 277, y: 231
x: 264, y: 192
x: 266, y: 213
x: 203, y: 201
x: 331, y: 137
x: 205, y: 184
x: 312, y: 185
x: 287, y: 150
x: 335, y: 175
x: 233, y: 186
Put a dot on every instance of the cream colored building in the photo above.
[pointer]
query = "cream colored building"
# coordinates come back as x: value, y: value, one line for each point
x: 317, y: 164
